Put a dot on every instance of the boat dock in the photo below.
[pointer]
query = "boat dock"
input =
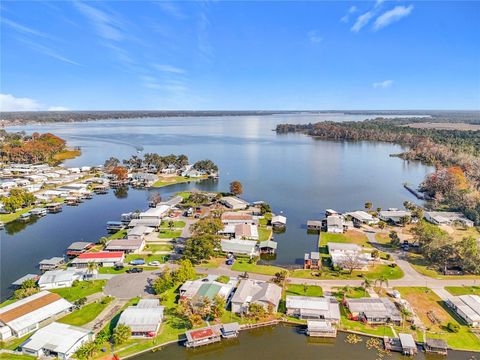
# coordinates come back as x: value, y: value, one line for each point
x: 415, y: 192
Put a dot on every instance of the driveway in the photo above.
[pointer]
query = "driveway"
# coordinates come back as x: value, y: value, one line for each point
x: 127, y: 286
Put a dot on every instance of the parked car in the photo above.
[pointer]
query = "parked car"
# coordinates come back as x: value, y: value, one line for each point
x: 154, y: 263
x: 134, y: 270
x: 118, y: 266
x: 137, y: 262
x: 230, y: 261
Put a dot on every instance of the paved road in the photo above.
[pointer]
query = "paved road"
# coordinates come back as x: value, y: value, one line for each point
x: 127, y: 286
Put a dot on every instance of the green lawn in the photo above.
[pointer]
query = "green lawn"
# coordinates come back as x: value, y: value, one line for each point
x: 377, y: 330
x: 244, y: 265
x: 7, y: 302
x: 421, y: 266
x: 6, y: 218
x: 213, y: 263
x: 169, y: 234
x: 264, y: 233
x: 118, y: 235
x: 349, y: 292
x: 15, y: 343
x: 463, y: 290
x: 176, y: 224
x: 375, y: 272
x: 351, y: 236
x: 111, y: 270
x: 301, y: 290
x: 423, y: 301
x: 165, y: 181
x: 82, y: 289
x: 5, y: 356
x: 85, y: 314
x: 158, y: 247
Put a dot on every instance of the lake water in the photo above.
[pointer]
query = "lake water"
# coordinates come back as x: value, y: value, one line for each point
x: 284, y: 342
x: 299, y: 176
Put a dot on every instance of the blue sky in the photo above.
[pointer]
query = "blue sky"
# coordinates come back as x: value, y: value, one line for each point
x: 240, y: 55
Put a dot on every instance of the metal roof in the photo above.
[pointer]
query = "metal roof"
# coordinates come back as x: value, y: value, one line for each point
x: 142, y: 318
x: 407, y: 341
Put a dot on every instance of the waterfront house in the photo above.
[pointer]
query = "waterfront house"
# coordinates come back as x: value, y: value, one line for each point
x: 57, y: 340
x: 362, y: 217
x: 393, y: 216
x: 234, y: 203
x: 436, y: 346
x: 447, y: 218
x: 101, y: 258
x: 279, y: 221
x: 321, y: 328
x: 138, y: 232
x: 207, y: 287
x: 312, y: 261
x: 239, y: 247
x: 409, y: 347
x: 341, y: 252
x: 55, y: 279
x: 78, y: 247
x: 310, y: 307
x: 50, y: 264
x: 335, y: 224
x: 29, y: 314
x: 373, y: 310
x: 268, y: 247
x: 156, y: 213
x: 151, y: 223
x: 467, y: 307
x: 246, y: 232
x: 144, y: 319
x: 234, y: 218
x: 314, y: 225
x: 126, y: 245
x: 250, y: 291
x: 203, y: 336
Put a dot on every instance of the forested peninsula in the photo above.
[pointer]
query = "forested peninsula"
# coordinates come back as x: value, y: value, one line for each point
x: 454, y: 185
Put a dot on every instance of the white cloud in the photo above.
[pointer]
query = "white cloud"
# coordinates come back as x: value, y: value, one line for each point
x: 346, y: 17
x: 169, y: 69
x: 392, y: 16
x: 11, y: 103
x: 45, y: 50
x: 362, y: 20
x: 383, y: 84
x: 314, y: 37
x: 57, y: 108
x: 106, y: 25
x: 23, y: 29
x: 171, y: 9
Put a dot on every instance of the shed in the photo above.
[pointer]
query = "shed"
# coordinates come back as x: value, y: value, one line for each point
x: 230, y: 330
x: 321, y: 328
x: 50, y: 264
x: 437, y: 346
x: 409, y: 347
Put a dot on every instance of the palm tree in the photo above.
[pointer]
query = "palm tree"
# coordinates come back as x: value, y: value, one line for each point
x: 381, y: 281
x: 366, y: 284
x: 346, y: 290
x: 91, y: 267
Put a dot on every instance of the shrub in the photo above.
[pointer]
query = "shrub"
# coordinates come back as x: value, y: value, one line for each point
x: 452, y: 327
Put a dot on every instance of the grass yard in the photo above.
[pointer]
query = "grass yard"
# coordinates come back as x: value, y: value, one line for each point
x: 301, y: 290
x: 158, y: 247
x: 66, y: 154
x: 377, y: 271
x: 15, y: 343
x: 169, y: 234
x: 7, y: 302
x: 213, y: 263
x: 244, y: 265
x: 264, y: 233
x: 349, y: 292
x: 377, y: 330
x: 111, y: 270
x: 170, y: 180
x: 6, y: 218
x: 146, y: 257
x: 419, y: 264
x: 176, y: 224
x: 382, y: 238
x: 424, y: 300
x: 118, y: 235
x: 351, y: 236
x: 463, y: 290
x: 459, y: 233
x: 86, y: 314
x: 5, y: 356
x: 82, y: 289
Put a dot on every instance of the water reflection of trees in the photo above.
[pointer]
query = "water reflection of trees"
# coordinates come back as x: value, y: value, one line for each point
x: 16, y: 226
x: 121, y: 192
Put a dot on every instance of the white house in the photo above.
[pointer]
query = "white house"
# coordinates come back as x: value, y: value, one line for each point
x: 241, y: 247
x: 56, y: 340
x: 144, y: 319
x: 340, y: 253
x: 394, y: 216
x: 447, y: 218
x: 311, y: 307
x: 467, y: 307
x: 234, y: 203
x: 55, y: 279
x: 335, y: 224
x: 155, y: 213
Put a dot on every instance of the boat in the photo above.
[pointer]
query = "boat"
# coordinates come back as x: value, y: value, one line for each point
x: 53, y: 208
x: 114, y: 226
x: 71, y: 201
x: 25, y: 216
x: 38, y: 212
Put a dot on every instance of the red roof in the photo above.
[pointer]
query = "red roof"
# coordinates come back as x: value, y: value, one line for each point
x: 201, y: 333
x: 101, y: 255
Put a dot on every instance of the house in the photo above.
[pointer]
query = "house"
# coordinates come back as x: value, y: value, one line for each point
x: 340, y: 253
x: 373, y: 310
x: 101, y: 258
x: 144, y: 319
x: 329, y: 212
x: 18, y: 283
x: 321, y: 328
x: 268, y: 247
x: 310, y: 307
x: 234, y: 218
x: 393, y: 216
x: 57, y: 340
x: 312, y: 260
x: 207, y: 287
x: 314, y: 225
x: 240, y: 247
x: 234, y: 203
x: 78, y: 247
x: 203, y: 336
x: 55, y: 279
x: 279, y: 221
x: 447, y: 218
x: 26, y: 315
x: 50, y: 264
x: 437, y: 346
x: 467, y: 307
x: 409, y: 347
x: 156, y: 213
x: 138, y: 232
x: 249, y: 291
x: 151, y: 223
x: 125, y: 245
x: 362, y: 217
x: 244, y: 232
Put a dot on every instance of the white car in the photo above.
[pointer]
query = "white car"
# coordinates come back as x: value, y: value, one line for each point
x: 154, y: 263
